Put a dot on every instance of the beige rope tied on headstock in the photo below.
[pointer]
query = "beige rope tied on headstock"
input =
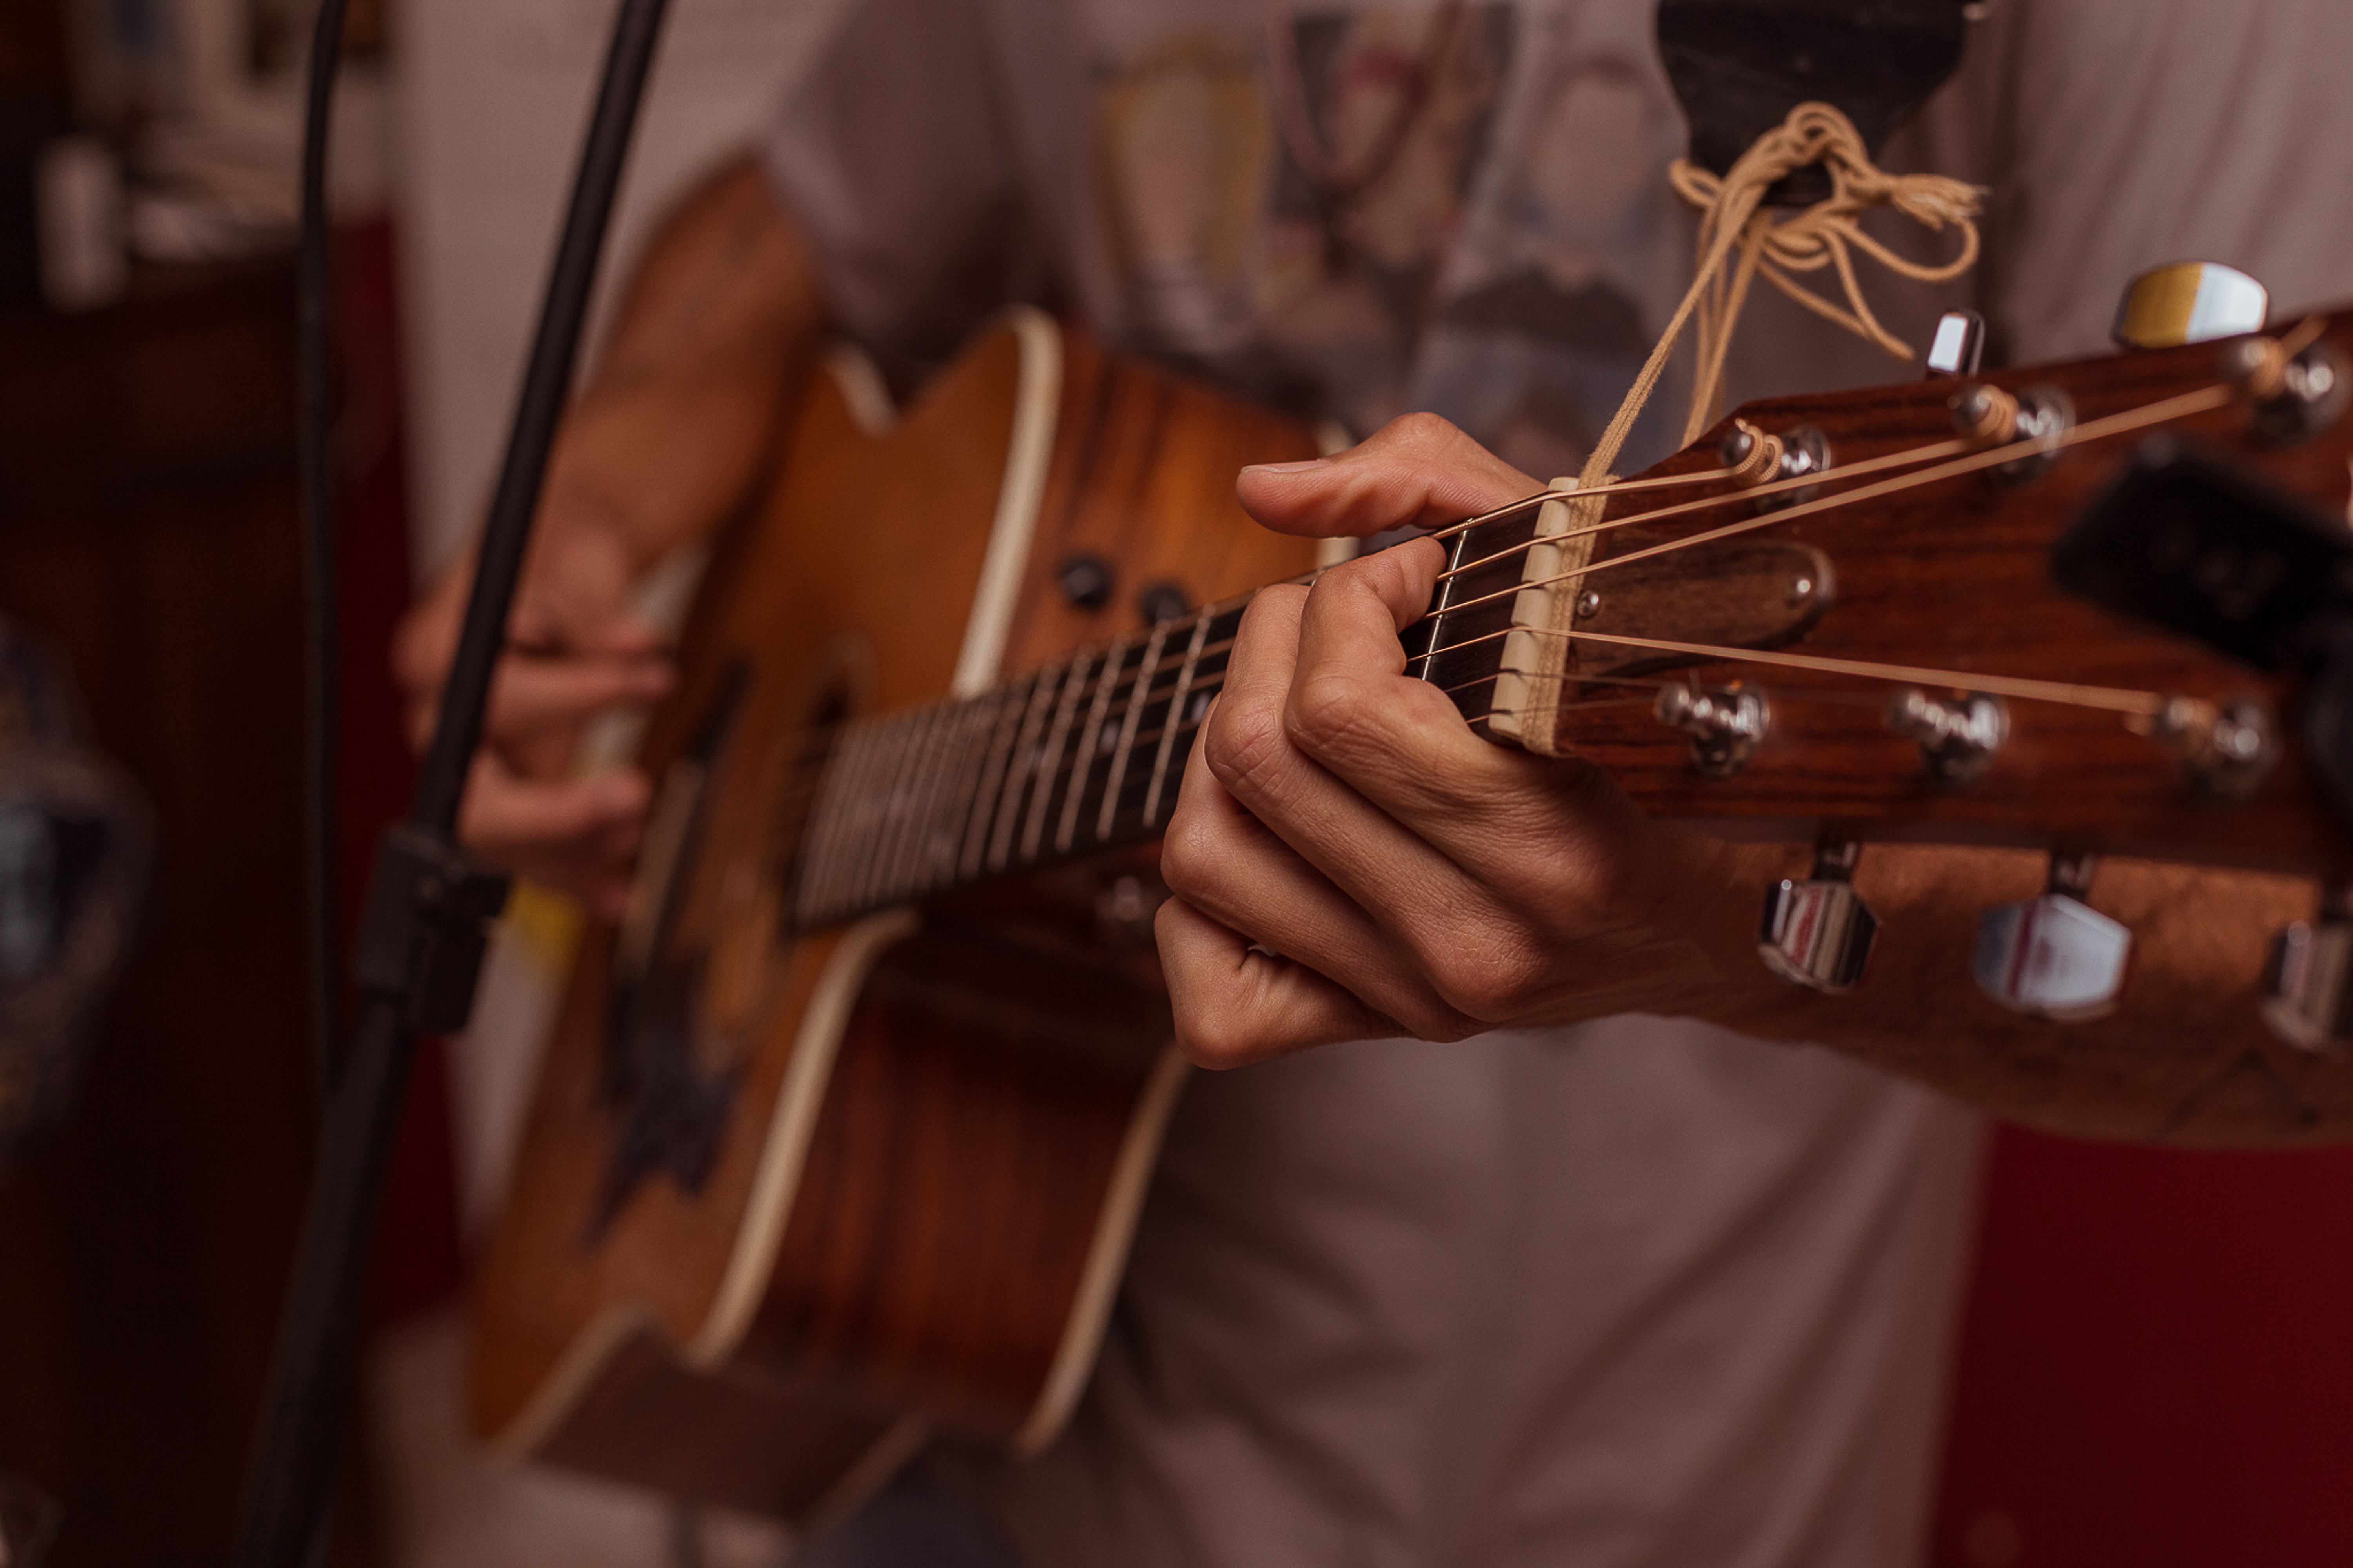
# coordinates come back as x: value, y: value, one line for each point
x: 1736, y: 228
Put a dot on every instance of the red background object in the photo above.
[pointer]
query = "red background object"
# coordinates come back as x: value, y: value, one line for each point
x: 2157, y: 1366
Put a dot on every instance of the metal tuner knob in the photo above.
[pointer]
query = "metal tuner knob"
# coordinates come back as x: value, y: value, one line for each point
x: 2308, y: 983
x: 2053, y: 956
x: 1819, y: 932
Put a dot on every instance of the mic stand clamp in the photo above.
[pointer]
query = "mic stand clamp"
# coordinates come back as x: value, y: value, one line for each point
x: 427, y: 925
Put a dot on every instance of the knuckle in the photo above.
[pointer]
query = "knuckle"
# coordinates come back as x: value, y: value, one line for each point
x: 1488, y: 981
x: 1210, y: 1042
x: 1326, y: 709
x: 1245, y: 744
x: 1422, y: 431
x: 1187, y: 854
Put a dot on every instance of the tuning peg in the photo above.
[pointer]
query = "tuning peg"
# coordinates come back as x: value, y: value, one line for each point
x: 2295, y: 396
x: 1957, y: 346
x: 1959, y: 735
x: 1819, y: 932
x: 1725, y: 723
x: 2308, y: 983
x: 2189, y: 302
x: 2054, y: 956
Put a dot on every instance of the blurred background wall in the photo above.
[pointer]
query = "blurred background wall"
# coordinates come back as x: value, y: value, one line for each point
x: 492, y: 99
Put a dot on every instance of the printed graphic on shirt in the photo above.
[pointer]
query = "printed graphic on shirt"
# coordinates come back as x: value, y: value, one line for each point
x: 1343, y: 211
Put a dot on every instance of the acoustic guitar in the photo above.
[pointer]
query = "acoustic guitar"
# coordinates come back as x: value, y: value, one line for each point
x: 843, y: 1130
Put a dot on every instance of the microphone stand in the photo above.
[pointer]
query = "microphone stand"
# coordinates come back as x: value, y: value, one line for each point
x: 429, y: 906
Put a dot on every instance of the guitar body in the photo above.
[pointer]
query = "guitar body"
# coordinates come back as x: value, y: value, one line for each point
x: 785, y: 1202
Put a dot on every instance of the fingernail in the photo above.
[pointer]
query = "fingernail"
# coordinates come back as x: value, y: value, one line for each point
x: 1298, y: 467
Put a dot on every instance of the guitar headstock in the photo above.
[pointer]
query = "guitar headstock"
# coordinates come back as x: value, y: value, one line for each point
x: 2095, y: 608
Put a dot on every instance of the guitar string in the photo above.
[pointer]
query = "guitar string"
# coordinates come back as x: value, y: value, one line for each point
x: 2110, y: 699
x: 2287, y: 346
x: 2124, y: 422
x: 1969, y: 461
x: 2138, y: 704
x: 1854, y: 470
x: 1858, y: 469
x: 2162, y: 412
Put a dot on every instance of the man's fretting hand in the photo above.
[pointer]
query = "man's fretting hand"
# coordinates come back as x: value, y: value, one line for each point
x: 1349, y: 859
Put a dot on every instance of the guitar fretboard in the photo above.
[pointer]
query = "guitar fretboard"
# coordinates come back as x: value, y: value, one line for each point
x: 1079, y: 757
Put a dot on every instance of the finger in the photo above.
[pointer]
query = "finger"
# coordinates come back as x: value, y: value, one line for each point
x: 579, y: 593
x: 1417, y: 470
x: 531, y: 695
x: 1398, y: 741
x: 1235, y: 1004
x: 1413, y: 891
x: 579, y: 836
x: 1227, y: 863
x: 540, y: 625
x: 534, y: 700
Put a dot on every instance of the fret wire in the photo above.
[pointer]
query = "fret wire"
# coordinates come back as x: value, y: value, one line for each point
x: 1115, y: 661
x: 896, y: 758
x: 1010, y: 701
x: 811, y: 893
x: 1024, y: 768
x: 943, y: 830
x: 913, y: 833
x: 858, y: 820
x: 1066, y: 712
x: 898, y: 809
x: 839, y: 823
x: 891, y: 803
x: 974, y: 727
x: 1175, y: 704
x: 1435, y: 617
x: 944, y: 820
x: 1118, y: 774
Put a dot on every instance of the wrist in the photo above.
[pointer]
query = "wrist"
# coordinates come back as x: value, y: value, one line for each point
x: 1718, y: 977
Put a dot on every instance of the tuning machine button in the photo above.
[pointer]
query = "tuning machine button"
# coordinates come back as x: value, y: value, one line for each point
x: 2295, y: 394
x: 1725, y: 723
x: 2189, y: 302
x: 1819, y: 932
x: 1958, y: 345
x: 2308, y: 982
x: 2225, y: 749
x: 1756, y: 457
x: 2053, y: 956
x: 1985, y: 416
x: 1958, y: 734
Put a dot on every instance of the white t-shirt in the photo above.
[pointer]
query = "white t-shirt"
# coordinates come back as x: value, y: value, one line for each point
x: 1641, y: 1293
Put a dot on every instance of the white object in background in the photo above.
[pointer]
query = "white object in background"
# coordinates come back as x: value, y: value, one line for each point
x: 492, y: 97
x: 78, y: 197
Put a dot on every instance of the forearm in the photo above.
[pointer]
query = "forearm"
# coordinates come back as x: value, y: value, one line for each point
x: 2185, y: 1057
x: 673, y: 426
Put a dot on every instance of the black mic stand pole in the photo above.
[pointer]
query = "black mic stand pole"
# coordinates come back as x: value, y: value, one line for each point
x: 429, y: 907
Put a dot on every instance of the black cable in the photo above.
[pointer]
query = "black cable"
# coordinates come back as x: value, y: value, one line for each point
x: 317, y: 458
x: 404, y: 977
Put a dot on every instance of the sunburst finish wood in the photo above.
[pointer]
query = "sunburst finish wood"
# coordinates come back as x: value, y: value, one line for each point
x: 747, y: 1297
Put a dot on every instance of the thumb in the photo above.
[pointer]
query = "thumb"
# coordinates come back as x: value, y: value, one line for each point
x: 1417, y: 470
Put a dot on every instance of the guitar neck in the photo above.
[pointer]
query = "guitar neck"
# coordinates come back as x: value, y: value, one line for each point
x: 1072, y: 760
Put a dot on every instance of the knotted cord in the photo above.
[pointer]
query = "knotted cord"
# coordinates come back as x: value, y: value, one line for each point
x: 1735, y: 228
